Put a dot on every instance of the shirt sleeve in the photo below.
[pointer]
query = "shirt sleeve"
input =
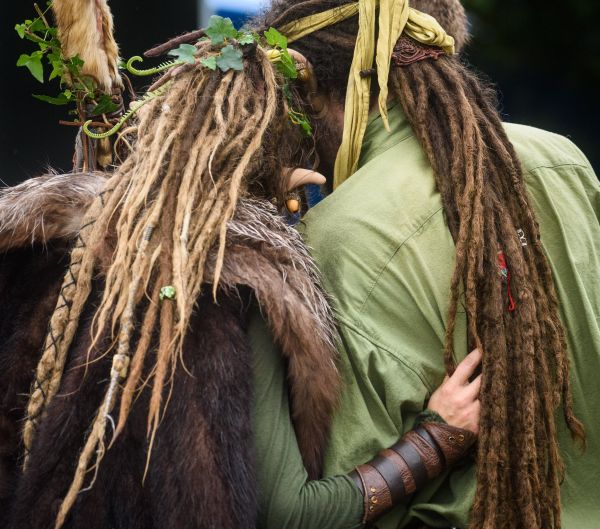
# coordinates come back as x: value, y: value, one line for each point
x: 287, y: 499
x: 384, y: 396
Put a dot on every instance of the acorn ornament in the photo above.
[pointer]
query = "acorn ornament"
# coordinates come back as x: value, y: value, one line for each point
x: 293, y: 205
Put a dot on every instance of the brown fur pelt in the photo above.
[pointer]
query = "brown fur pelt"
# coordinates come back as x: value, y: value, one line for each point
x: 208, y: 414
x: 46, y: 208
x: 29, y: 281
x: 86, y: 29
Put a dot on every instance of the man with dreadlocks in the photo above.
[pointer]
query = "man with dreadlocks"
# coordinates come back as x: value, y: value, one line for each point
x: 449, y: 229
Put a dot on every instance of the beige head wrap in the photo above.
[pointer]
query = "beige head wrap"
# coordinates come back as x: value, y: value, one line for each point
x: 395, y: 18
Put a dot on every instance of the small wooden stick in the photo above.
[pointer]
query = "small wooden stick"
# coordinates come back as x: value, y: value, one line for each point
x: 163, y: 49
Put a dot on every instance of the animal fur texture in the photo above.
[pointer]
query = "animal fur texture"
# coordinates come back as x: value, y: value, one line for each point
x: 86, y: 29
x: 46, y: 208
x: 202, y: 472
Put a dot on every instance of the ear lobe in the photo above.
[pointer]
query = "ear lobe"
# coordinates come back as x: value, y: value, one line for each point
x: 306, y: 76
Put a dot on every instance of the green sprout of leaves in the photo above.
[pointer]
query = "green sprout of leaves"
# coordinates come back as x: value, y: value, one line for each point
x: 287, y: 68
x: 222, y: 34
x: 48, y: 63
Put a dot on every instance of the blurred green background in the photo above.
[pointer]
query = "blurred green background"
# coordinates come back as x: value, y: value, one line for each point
x: 544, y: 57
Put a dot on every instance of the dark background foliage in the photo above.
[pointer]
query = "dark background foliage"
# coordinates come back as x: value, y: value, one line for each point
x: 544, y: 57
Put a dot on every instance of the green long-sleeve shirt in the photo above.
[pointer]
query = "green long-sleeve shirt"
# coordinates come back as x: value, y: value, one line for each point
x: 387, y: 256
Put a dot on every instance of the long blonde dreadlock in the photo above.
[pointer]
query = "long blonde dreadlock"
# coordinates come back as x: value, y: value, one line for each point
x: 212, y: 138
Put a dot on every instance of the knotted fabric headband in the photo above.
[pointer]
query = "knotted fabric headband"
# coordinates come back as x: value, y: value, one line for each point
x: 395, y: 18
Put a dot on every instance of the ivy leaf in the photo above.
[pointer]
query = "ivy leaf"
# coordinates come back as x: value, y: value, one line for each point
x: 37, y: 26
x: 230, y: 59
x: 20, y: 29
x: 276, y: 39
x: 246, y: 38
x: 62, y: 99
x: 185, y: 53
x: 33, y: 63
x: 221, y: 29
x: 56, y: 62
x: 210, y: 63
x: 287, y: 66
x: 105, y: 106
x: 74, y: 65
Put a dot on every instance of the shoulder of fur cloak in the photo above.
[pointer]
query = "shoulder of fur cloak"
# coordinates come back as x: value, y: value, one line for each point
x: 45, y: 208
x: 263, y: 253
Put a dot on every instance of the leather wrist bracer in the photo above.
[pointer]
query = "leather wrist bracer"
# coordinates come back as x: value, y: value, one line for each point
x: 419, y: 457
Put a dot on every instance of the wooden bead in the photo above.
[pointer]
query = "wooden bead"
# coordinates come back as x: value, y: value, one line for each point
x: 293, y: 205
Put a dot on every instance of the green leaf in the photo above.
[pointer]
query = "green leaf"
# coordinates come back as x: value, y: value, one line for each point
x: 33, y: 63
x: 20, y: 29
x: 105, y: 106
x: 210, y: 63
x: 230, y: 59
x: 220, y: 29
x: 62, y: 99
x: 56, y: 62
x: 287, y: 66
x: 185, y: 53
x: 57, y: 71
x: 74, y: 65
x: 276, y: 39
x: 37, y: 26
x: 246, y: 38
x: 168, y: 293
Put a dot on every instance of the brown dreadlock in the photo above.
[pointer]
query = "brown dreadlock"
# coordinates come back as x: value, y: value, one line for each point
x: 525, y: 365
x: 212, y: 138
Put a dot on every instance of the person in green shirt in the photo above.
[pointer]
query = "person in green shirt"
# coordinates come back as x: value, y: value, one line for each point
x: 448, y: 229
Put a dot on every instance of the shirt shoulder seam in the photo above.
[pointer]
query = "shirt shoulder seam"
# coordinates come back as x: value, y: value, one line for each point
x: 556, y: 166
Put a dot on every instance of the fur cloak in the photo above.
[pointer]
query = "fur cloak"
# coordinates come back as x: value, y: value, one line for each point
x: 201, y: 473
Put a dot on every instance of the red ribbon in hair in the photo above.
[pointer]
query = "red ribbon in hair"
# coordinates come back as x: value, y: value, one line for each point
x: 506, y: 276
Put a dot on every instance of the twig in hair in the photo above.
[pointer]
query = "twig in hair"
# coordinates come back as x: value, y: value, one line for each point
x: 163, y: 49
